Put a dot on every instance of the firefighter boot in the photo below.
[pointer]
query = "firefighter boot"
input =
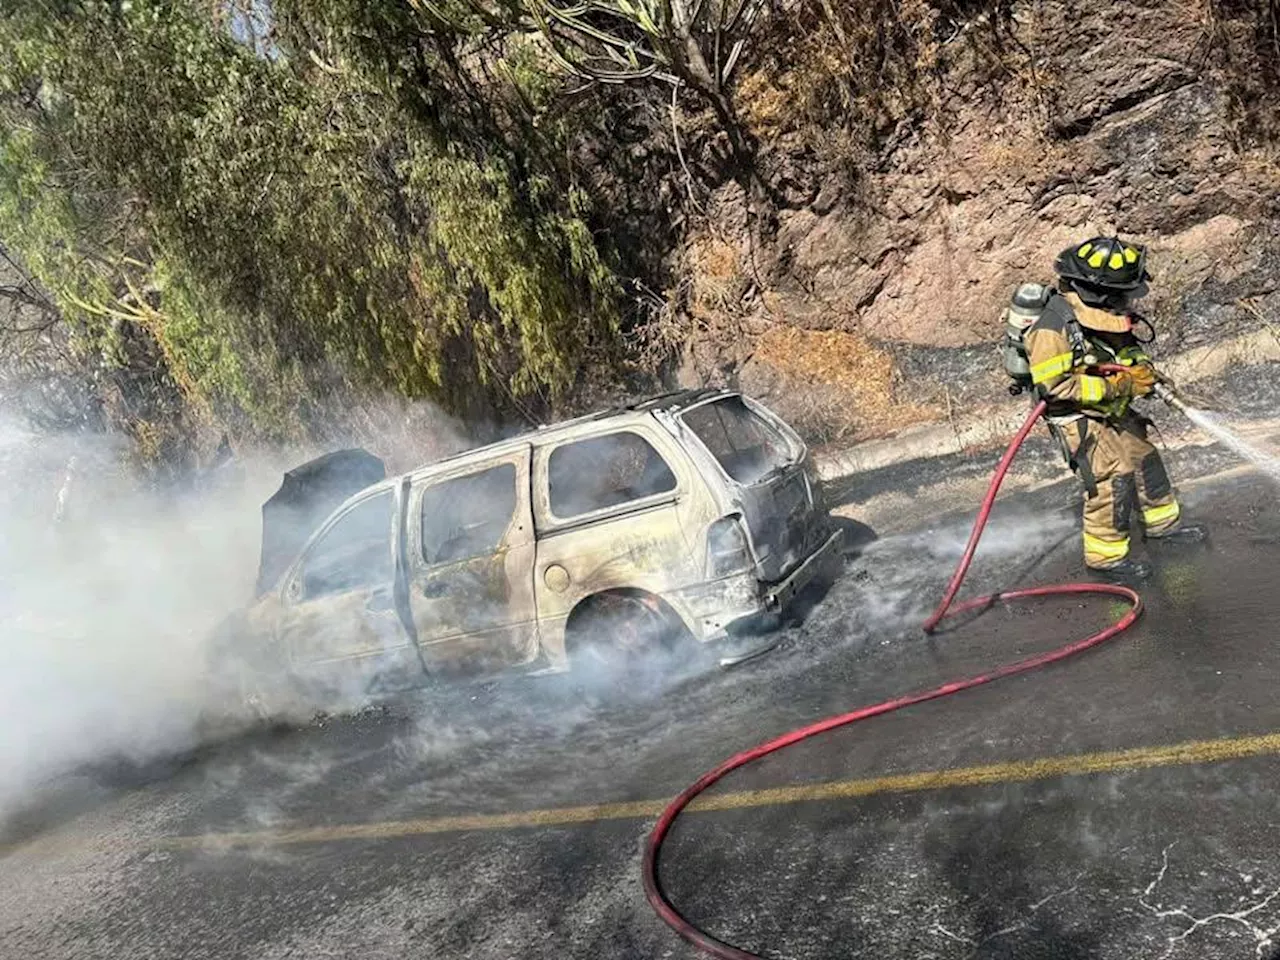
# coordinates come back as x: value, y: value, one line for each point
x: 1182, y: 534
x: 1127, y: 572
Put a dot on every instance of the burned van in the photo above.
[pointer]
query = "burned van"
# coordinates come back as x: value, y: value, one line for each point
x: 675, y: 521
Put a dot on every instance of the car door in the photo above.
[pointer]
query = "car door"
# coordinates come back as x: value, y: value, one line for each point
x: 470, y: 566
x: 339, y: 620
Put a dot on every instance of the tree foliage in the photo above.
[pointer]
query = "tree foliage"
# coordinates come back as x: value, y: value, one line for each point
x: 286, y: 205
x: 315, y: 209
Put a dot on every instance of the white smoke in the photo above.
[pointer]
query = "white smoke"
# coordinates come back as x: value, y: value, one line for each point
x: 107, y: 598
x: 1009, y: 535
x: 112, y: 594
x: 113, y: 599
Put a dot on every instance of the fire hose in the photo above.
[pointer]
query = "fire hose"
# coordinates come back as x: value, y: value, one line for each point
x: 653, y: 848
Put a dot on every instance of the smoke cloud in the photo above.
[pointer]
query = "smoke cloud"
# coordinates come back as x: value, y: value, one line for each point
x: 107, y: 597
x: 113, y: 595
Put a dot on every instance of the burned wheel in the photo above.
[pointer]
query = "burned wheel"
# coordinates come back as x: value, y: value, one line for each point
x: 620, y: 632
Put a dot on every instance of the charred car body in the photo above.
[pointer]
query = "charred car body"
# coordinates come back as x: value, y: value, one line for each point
x: 591, y: 541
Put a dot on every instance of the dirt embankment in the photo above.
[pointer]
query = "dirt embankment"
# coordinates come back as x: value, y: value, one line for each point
x: 877, y: 306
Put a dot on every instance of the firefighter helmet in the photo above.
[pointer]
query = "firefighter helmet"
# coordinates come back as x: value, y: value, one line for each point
x: 1104, y: 264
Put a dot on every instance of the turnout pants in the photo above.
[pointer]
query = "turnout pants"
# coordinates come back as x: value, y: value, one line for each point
x: 1120, y: 469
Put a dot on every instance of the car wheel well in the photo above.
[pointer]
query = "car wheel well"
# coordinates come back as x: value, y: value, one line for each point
x: 585, y: 607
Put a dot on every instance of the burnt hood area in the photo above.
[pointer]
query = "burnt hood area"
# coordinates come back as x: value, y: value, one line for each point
x: 308, y: 494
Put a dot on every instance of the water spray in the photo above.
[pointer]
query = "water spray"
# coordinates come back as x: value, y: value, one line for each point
x: 1210, y: 424
x: 1214, y: 427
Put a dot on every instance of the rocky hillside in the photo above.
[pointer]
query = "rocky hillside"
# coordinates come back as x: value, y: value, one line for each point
x: 275, y: 225
x: 882, y: 302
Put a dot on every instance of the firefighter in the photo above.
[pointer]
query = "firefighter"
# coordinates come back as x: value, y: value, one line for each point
x: 1087, y: 322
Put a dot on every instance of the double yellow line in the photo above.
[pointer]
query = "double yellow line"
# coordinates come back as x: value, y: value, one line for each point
x: 1141, y: 758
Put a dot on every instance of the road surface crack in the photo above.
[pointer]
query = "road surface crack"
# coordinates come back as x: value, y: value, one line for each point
x: 1264, y: 937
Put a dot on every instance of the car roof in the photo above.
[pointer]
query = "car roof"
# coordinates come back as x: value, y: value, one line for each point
x: 673, y: 402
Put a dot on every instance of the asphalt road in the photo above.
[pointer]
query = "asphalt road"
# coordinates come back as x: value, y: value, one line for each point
x: 507, y: 820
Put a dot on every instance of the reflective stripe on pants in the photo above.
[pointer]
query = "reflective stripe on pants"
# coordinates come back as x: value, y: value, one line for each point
x: 1104, y: 553
x: 1161, y: 519
x: 1128, y: 472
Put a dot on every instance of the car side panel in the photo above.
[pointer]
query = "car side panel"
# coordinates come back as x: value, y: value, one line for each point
x: 644, y: 545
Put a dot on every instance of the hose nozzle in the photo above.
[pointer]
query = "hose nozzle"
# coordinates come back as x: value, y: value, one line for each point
x: 1167, y: 394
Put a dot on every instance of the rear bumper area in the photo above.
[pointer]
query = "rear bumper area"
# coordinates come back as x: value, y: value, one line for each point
x: 824, y: 560
x: 750, y: 636
x: 742, y: 604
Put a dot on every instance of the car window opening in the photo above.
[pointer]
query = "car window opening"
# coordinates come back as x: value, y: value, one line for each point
x: 746, y: 446
x: 468, y: 517
x: 589, y: 475
x: 354, y: 554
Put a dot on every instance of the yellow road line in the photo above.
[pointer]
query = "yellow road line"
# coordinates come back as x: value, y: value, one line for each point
x: 1180, y: 754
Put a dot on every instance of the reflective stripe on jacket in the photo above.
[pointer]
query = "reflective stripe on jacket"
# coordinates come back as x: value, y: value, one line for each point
x: 1058, y: 374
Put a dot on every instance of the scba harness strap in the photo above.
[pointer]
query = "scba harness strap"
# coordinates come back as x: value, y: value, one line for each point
x: 1079, y: 343
x: 1080, y: 465
x: 1078, y: 462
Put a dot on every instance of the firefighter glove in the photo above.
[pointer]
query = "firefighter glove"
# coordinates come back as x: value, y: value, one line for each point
x: 1120, y: 384
x: 1143, y: 378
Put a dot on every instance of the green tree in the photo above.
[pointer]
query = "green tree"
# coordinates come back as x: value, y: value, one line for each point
x: 302, y: 213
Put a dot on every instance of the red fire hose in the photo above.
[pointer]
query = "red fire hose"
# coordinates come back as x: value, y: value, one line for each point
x: 653, y: 887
